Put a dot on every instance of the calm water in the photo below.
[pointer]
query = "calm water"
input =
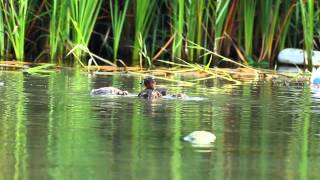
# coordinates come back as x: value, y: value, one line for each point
x: 51, y: 128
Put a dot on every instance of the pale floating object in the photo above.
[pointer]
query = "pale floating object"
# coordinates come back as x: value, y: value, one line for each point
x: 1, y: 83
x: 200, y: 138
x: 315, y: 81
x: 297, y: 57
x: 315, y: 76
x: 104, y: 91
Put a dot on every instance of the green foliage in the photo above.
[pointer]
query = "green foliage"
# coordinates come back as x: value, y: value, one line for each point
x: 117, y: 19
x: 191, y: 23
x: 16, y: 20
x: 144, y: 11
x: 41, y: 70
x: 249, y: 17
x: 234, y: 29
x: 196, y: 12
x: 307, y: 17
x: 143, y: 53
x: 178, y: 22
x: 289, y: 6
x: 221, y: 16
x: 261, y: 64
x: 83, y: 16
x: 2, y: 46
x: 59, y: 29
x: 269, y: 22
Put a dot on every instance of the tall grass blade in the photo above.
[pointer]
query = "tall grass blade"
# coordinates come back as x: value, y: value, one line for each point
x: 195, y: 11
x: 83, y: 18
x: 2, y: 34
x: 271, y: 19
x: 117, y: 20
x: 221, y: 16
x: 15, y: 21
x: 178, y: 27
x: 307, y: 16
x: 144, y: 11
x: 59, y: 29
x: 249, y: 17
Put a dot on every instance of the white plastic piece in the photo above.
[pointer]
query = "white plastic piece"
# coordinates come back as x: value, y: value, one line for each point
x: 200, y: 137
x: 297, y: 56
x: 315, y: 74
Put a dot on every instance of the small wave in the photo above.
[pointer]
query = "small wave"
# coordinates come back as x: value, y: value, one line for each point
x: 184, y: 99
x: 315, y: 92
x: 114, y: 96
x: 168, y: 97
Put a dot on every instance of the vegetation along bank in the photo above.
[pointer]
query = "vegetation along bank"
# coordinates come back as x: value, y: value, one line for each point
x: 142, y: 32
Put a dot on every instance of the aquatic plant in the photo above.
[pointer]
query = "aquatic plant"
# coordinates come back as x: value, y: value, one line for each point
x: 42, y: 70
x: 222, y: 11
x: 83, y: 15
x: 178, y: 27
x: 2, y: 46
x: 307, y: 17
x: 144, y: 11
x: 191, y: 23
x: 143, y: 53
x: 93, y: 58
x: 156, y: 32
x: 273, y: 28
x: 287, y: 22
x: 248, y: 31
x: 117, y: 20
x: 249, y: 17
x: 195, y: 12
x: 15, y: 21
x: 59, y: 29
x: 268, y: 21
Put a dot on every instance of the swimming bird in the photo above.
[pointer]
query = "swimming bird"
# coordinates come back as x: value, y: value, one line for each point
x: 108, y: 91
x: 200, y: 137
x: 152, y: 92
x: 1, y: 83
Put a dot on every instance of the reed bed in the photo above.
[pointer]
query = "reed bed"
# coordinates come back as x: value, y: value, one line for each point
x: 2, y: 47
x: 144, y: 15
x: 139, y: 32
x: 15, y: 24
x: 83, y: 15
x: 58, y: 29
x: 117, y: 19
x: 307, y: 17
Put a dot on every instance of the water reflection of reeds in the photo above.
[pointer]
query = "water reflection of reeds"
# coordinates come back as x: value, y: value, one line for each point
x: 52, y: 128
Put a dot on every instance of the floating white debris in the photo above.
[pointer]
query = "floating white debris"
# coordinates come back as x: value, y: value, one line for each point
x: 104, y: 91
x: 315, y: 82
x: 200, y: 137
x: 297, y: 56
x: 315, y: 76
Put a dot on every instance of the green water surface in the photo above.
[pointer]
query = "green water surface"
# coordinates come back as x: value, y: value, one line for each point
x: 51, y: 128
